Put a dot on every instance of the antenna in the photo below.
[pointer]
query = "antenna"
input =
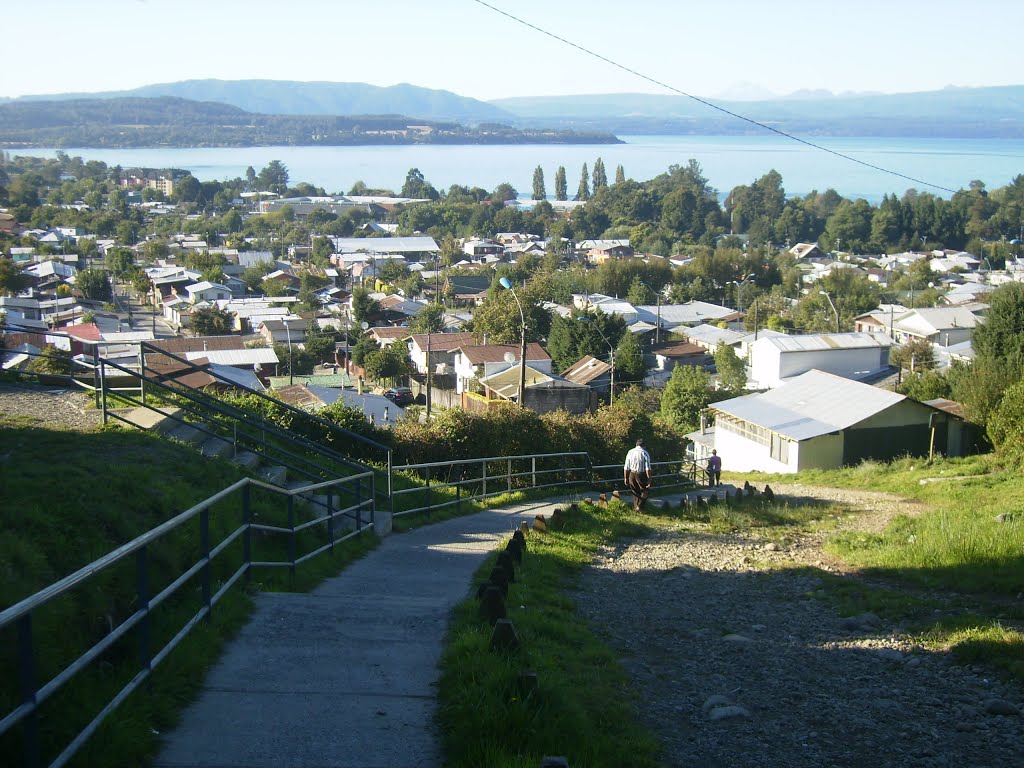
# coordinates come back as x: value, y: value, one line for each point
x: 510, y: 358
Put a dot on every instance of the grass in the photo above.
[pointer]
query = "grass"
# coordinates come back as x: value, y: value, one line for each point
x: 71, y: 497
x: 582, y: 707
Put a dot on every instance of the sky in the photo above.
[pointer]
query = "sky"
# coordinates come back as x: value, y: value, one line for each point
x: 708, y: 48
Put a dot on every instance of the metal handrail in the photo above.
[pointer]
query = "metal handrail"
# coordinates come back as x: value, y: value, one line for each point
x: 20, y: 614
x: 502, y: 481
x: 674, y: 478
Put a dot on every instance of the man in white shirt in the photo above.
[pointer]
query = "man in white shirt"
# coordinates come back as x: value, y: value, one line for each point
x: 636, y: 474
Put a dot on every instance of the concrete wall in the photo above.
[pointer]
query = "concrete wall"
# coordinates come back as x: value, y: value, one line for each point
x: 742, y: 455
x: 575, y: 400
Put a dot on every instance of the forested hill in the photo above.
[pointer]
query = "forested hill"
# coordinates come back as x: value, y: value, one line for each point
x: 996, y: 112
x: 174, y: 122
x: 286, y: 97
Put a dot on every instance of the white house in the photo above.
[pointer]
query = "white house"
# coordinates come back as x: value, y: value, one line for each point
x: 774, y: 359
x: 939, y: 325
x: 822, y: 421
x: 478, y: 361
x: 443, y: 348
x: 207, y: 291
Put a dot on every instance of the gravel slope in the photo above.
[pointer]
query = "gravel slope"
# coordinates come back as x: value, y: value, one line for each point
x: 736, y: 663
x: 31, y: 405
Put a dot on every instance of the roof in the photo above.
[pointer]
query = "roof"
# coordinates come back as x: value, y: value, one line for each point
x: 586, y: 369
x: 677, y: 349
x: 713, y: 335
x: 690, y: 313
x: 949, y: 406
x: 930, y: 320
x: 506, y: 383
x: 478, y: 354
x: 812, y: 404
x: 442, y: 342
x: 248, y: 357
x: 387, y: 244
x: 180, y: 345
x: 816, y: 342
x: 205, y: 286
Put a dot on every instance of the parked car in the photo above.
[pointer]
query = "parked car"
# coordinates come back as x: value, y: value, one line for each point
x: 400, y: 396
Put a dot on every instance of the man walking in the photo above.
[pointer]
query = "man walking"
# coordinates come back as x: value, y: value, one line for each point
x: 714, y: 469
x: 636, y: 474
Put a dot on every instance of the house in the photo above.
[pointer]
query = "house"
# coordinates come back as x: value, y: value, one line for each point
x: 710, y: 336
x: 386, y: 335
x: 442, y: 348
x: 478, y: 361
x: 822, y: 421
x: 291, y: 330
x: 775, y: 359
x: 545, y: 392
x: 602, y: 250
x: 607, y: 304
x: 207, y: 291
x: 468, y: 288
x: 479, y: 248
x: 806, y: 252
x: 668, y: 355
x: 591, y: 372
x: 676, y: 316
x: 939, y: 325
x: 879, y: 320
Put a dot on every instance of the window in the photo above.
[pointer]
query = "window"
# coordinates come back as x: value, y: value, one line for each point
x: 780, y: 449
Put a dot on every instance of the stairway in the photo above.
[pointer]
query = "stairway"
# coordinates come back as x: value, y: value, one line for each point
x: 169, y: 422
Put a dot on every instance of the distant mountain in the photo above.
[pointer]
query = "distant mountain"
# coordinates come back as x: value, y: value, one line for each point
x: 285, y: 97
x: 951, y: 112
x: 173, y: 122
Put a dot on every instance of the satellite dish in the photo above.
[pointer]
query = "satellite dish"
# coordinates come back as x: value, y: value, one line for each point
x: 364, y: 325
x: 510, y: 358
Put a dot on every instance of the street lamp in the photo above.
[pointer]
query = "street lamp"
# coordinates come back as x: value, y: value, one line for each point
x: 291, y: 362
x: 831, y: 304
x: 611, y: 358
x: 739, y: 289
x: 507, y: 285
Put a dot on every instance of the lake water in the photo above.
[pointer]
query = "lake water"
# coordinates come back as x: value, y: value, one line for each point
x: 727, y: 161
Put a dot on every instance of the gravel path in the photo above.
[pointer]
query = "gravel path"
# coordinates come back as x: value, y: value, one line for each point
x: 31, y: 405
x: 737, y: 663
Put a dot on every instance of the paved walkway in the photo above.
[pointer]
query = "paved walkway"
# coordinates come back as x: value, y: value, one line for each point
x: 344, y: 676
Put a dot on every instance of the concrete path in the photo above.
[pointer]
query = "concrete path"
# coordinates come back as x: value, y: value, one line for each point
x: 344, y: 676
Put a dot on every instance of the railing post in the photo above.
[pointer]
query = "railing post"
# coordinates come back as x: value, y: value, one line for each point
x: 96, y: 374
x: 142, y: 374
x: 247, y: 533
x: 359, y: 500
x: 390, y: 487
x: 103, y: 389
x: 509, y: 475
x: 429, y: 505
x: 590, y: 469
x: 27, y: 683
x: 330, y: 517
x: 533, y: 471
x: 291, y: 539
x: 204, y: 546
x: 484, y: 463
x: 142, y: 590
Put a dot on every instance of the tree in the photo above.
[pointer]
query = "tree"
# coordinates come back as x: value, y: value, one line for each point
x: 629, y: 360
x: 94, y: 284
x: 430, y: 319
x: 319, y: 344
x: 52, y: 361
x: 119, y: 260
x: 998, y: 354
x: 561, y: 185
x: 732, y: 370
x: 620, y: 175
x: 539, y: 193
x: 12, y: 279
x: 417, y: 187
x: 274, y: 177
x: 211, y: 321
x: 600, y: 177
x: 364, y: 306
x: 363, y: 347
x: 583, y: 193
x: 388, y: 363
x: 293, y: 361
x: 686, y: 395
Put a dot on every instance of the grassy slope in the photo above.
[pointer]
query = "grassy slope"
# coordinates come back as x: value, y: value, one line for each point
x: 71, y: 497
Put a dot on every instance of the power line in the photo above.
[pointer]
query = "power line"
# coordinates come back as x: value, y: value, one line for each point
x: 707, y: 103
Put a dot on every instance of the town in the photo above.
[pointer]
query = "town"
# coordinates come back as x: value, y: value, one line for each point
x: 388, y: 302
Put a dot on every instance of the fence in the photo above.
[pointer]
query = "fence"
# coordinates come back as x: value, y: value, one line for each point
x: 349, y: 504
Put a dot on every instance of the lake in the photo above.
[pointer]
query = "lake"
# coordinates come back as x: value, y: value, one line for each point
x: 728, y: 161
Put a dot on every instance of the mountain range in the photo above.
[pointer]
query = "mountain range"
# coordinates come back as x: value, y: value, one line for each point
x: 994, y: 112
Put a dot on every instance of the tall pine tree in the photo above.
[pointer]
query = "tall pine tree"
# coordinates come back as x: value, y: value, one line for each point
x: 600, y: 177
x: 561, y: 186
x: 620, y: 175
x: 583, y: 193
x: 539, y: 193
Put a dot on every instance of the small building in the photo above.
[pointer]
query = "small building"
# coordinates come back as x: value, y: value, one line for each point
x: 284, y: 331
x: 474, y: 362
x: 207, y: 291
x: 822, y: 421
x: 775, y: 359
x: 545, y: 392
x: 442, y: 347
x: 939, y: 325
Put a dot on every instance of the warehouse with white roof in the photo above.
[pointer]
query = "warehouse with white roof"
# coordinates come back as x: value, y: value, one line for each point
x: 775, y: 359
x: 822, y: 421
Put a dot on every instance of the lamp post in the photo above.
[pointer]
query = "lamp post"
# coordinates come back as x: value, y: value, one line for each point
x: 291, y: 361
x: 507, y: 285
x: 831, y: 304
x: 611, y: 359
x: 740, y: 284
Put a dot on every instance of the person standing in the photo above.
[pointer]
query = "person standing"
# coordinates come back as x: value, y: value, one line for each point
x: 636, y: 474
x: 714, y: 469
